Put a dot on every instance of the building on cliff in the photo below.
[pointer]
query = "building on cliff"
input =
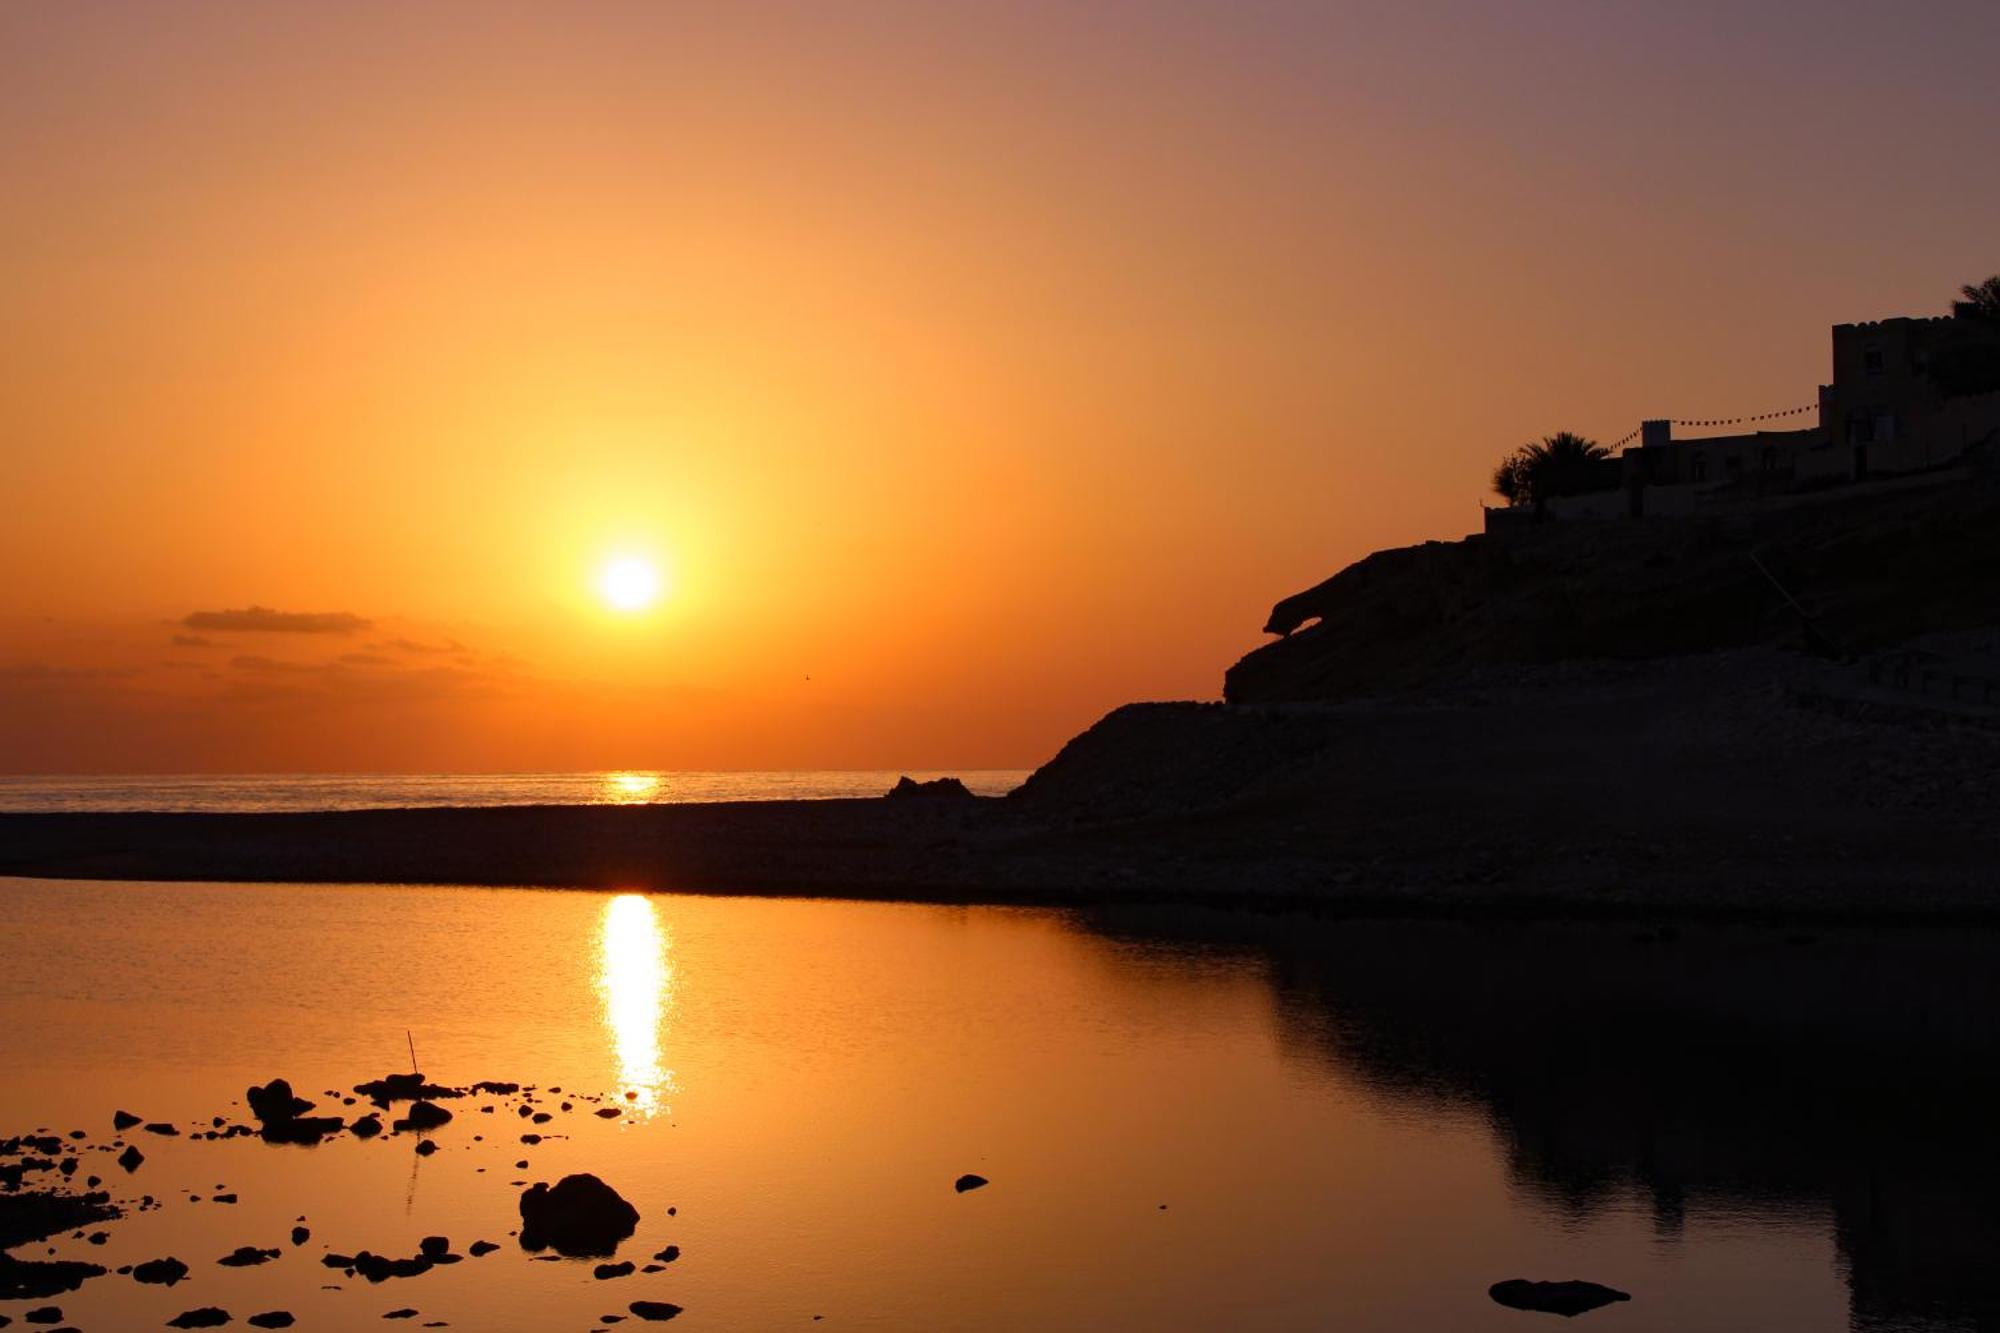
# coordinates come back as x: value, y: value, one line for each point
x: 1909, y: 397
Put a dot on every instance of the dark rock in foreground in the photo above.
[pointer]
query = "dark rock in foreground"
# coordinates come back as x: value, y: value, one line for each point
x: 581, y: 1216
x: 271, y: 1319
x: 969, y: 1182
x: 424, y: 1115
x: 404, y: 1088
x: 123, y: 1120
x: 283, y: 1115
x: 275, y: 1102
x: 604, y: 1272
x: 1567, y: 1299
x: 41, y: 1213
x: 164, y: 1272
x: 247, y: 1256
x: 208, y: 1316
x: 654, y: 1312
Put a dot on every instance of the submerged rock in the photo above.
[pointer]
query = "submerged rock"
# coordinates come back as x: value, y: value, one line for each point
x: 275, y: 1102
x: 404, y: 1088
x: 969, y: 1182
x: 283, y: 1117
x: 38, y: 1214
x: 247, y: 1256
x: 581, y: 1216
x: 606, y: 1271
x: 163, y: 1272
x: 131, y: 1158
x: 271, y: 1319
x: 123, y: 1120
x: 377, y: 1268
x: 208, y: 1316
x: 424, y: 1115
x: 1568, y: 1299
x: 366, y: 1126
x: 480, y: 1248
x: 654, y: 1312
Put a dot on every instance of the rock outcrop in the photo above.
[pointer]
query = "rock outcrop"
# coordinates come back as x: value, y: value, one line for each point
x: 580, y: 1216
x: 1868, y: 569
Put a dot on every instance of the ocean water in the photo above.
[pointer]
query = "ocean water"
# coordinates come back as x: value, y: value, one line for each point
x: 1270, y: 1124
x: 367, y: 791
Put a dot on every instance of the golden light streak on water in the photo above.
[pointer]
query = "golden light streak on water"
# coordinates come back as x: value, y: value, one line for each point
x: 630, y: 788
x: 636, y: 985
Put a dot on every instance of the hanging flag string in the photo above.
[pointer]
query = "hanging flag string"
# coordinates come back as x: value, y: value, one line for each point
x: 1706, y: 422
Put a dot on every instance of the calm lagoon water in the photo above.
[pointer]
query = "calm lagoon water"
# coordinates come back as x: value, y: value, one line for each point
x: 1356, y: 1127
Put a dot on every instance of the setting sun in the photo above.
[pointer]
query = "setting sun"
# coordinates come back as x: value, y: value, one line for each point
x: 629, y: 583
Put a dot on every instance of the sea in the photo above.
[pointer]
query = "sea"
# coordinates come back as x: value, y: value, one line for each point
x: 272, y: 792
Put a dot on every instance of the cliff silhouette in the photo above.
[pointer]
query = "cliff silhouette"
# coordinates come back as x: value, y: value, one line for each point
x: 1869, y: 570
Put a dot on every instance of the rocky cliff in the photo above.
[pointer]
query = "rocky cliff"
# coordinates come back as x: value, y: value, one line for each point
x: 1854, y: 571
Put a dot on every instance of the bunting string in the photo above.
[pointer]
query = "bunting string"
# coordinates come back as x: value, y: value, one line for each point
x: 1706, y: 422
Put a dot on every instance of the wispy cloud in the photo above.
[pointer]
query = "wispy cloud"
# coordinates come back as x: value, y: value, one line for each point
x: 191, y: 641
x: 264, y: 620
x: 413, y: 646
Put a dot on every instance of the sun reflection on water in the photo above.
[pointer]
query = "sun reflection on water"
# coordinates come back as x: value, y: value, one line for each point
x: 630, y: 788
x: 637, y: 986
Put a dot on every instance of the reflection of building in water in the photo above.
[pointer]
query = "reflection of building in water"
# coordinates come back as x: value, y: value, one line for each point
x: 1848, y: 1073
x: 636, y: 986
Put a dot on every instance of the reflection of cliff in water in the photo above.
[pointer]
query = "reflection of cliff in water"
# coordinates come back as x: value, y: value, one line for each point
x: 1843, y: 1070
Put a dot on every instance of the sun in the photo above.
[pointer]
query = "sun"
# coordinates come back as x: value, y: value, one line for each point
x: 629, y: 583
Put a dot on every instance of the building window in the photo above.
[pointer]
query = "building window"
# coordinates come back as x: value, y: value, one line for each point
x: 1885, y: 425
x: 1769, y: 461
x: 1871, y: 358
x: 1698, y: 467
x: 1861, y: 428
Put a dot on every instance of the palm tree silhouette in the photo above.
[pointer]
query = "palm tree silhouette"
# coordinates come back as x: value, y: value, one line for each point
x: 1982, y: 299
x: 1559, y: 464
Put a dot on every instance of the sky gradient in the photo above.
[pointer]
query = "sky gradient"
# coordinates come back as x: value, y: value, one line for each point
x: 967, y: 369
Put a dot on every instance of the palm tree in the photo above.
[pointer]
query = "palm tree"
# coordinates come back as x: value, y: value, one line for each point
x: 1982, y: 299
x: 1559, y: 464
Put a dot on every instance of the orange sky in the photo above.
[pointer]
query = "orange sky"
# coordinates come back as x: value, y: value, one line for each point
x: 971, y: 368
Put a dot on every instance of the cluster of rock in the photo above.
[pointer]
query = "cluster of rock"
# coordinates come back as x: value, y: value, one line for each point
x: 580, y: 1215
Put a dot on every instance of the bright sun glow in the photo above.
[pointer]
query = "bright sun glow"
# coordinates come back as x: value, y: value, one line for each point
x: 629, y: 583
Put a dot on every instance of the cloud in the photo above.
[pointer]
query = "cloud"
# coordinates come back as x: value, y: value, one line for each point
x: 412, y: 646
x: 264, y: 620
x: 269, y: 665
x: 191, y: 641
x: 366, y: 659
